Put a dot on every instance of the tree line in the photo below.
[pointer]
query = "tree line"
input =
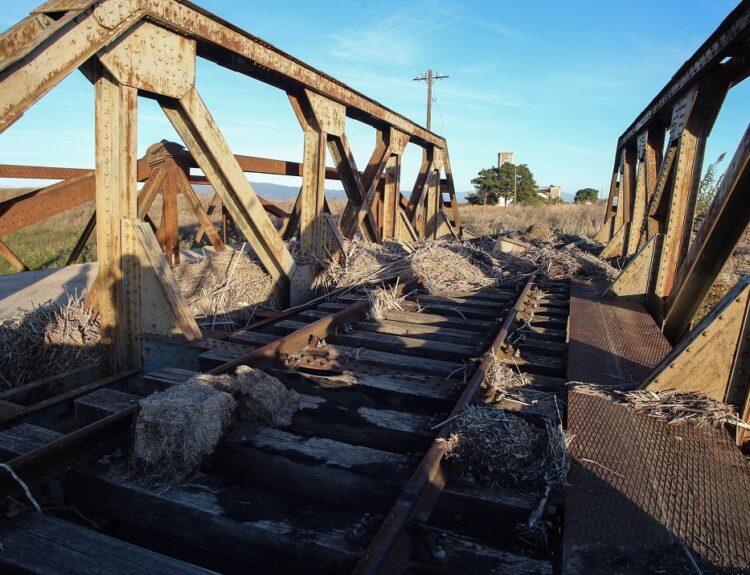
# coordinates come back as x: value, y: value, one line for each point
x: 514, y: 183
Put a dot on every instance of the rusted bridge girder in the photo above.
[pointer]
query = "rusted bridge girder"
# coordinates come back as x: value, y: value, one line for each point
x: 131, y: 48
x: 651, y: 212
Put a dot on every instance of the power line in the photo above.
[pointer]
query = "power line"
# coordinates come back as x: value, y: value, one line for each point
x: 429, y: 78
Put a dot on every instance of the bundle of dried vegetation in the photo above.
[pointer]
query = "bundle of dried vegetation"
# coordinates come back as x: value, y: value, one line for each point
x: 263, y: 399
x: 502, y: 379
x: 497, y: 448
x: 672, y: 407
x: 177, y: 429
x: 439, y: 266
x: 51, y: 339
x: 384, y: 299
x: 226, y: 289
x: 557, y: 263
x: 442, y: 266
x: 362, y: 264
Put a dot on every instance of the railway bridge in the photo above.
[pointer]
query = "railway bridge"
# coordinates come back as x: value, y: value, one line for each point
x: 358, y: 482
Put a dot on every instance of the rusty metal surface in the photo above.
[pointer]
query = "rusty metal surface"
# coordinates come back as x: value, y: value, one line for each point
x: 612, y: 342
x: 639, y: 487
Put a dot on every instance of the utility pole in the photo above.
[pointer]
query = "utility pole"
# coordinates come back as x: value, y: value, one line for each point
x: 429, y: 78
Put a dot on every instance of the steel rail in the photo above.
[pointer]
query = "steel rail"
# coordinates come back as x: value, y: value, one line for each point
x: 44, y: 463
x: 421, y: 492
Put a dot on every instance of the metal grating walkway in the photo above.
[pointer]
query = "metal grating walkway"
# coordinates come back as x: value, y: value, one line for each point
x: 611, y: 342
x: 645, y: 496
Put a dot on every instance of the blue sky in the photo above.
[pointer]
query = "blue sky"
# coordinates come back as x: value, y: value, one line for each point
x: 554, y: 82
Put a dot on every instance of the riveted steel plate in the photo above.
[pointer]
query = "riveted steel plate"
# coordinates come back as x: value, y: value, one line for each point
x: 640, y: 488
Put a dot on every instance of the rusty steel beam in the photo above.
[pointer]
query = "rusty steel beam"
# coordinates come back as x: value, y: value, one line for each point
x: 41, y: 172
x: 724, y: 224
x: 721, y: 44
x: 12, y: 258
x: 250, y: 164
x: 86, y: 31
x: 383, y: 555
x: 36, y: 65
x: 31, y: 208
x: 233, y: 48
x: 253, y: 164
x: 81, y: 243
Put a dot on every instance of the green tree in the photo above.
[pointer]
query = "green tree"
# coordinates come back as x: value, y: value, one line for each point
x: 587, y: 195
x: 487, y: 188
x: 709, y: 185
x: 492, y: 184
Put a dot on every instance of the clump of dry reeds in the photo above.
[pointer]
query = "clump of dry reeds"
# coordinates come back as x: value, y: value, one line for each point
x: 263, y: 399
x: 383, y: 300
x: 438, y: 265
x: 442, y: 266
x: 51, y: 339
x: 672, y: 407
x: 497, y: 448
x: 226, y: 289
x: 557, y: 263
x: 177, y: 429
x: 502, y: 379
x: 362, y: 264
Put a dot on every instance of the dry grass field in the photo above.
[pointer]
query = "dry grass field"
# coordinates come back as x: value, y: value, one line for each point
x: 564, y: 218
x: 48, y: 244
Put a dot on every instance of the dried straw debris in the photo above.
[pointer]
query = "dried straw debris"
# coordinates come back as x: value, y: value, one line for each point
x: 502, y: 379
x: 439, y: 266
x: 362, y: 264
x: 49, y: 340
x: 672, y: 407
x: 442, y: 266
x: 177, y: 429
x: 495, y: 447
x: 226, y: 289
x: 556, y: 264
x: 383, y: 300
x: 263, y: 399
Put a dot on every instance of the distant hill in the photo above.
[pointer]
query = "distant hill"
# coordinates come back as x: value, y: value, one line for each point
x: 282, y: 193
x: 277, y: 192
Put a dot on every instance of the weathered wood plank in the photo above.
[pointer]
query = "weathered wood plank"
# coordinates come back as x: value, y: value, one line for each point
x: 392, y: 360
x: 538, y: 364
x: 223, y: 353
x: 431, y: 332
x: 489, y: 514
x: 406, y: 345
x: 248, y: 527
x: 374, y: 427
x: 101, y: 403
x: 42, y: 545
x: 469, y: 556
x: 344, y: 476
x: 442, y: 321
x: 251, y: 337
x: 378, y: 388
x: 446, y: 307
x: 23, y: 438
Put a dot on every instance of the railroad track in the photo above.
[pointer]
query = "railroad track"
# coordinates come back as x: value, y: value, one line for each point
x: 354, y: 484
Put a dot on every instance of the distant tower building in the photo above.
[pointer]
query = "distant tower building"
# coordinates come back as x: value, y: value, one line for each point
x: 504, y: 158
